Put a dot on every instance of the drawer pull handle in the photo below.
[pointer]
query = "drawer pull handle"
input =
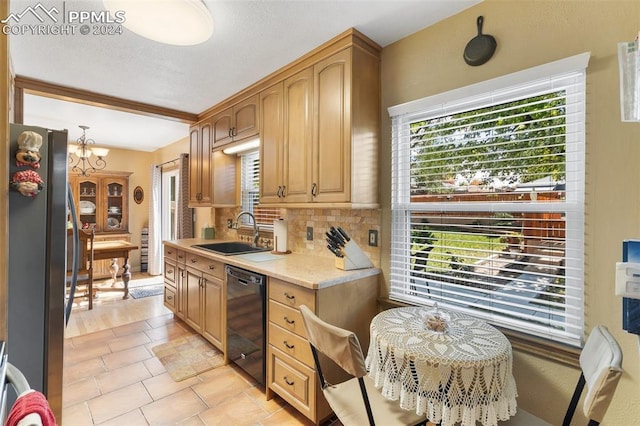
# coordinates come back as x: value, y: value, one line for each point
x: 290, y: 383
x: 288, y: 345
x: 194, y: 260
x: 289, y: 296
x: 169, y: 252
x: 289, y: 321
x: 170, y: 271
x: 180, y: 257
x: 169, y: 297
x: 212, y: 267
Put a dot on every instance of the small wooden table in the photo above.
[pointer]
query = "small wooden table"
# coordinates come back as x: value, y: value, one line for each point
x: 113, y: 250
x: 461, y: 376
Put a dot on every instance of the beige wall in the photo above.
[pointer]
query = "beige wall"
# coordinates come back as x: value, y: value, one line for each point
x: 137, y: 162
x: 531, y: 33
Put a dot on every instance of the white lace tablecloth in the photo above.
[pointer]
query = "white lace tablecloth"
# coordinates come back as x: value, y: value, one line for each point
x: 464, y: 375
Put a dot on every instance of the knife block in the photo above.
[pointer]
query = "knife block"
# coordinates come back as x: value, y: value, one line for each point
x: 354, y: 258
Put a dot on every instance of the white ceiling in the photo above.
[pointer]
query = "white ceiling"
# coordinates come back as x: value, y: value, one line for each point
x: 251, y: 39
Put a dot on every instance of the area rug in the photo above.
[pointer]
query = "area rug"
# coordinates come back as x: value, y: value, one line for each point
x: 146, y: 291
x: 188, y: 356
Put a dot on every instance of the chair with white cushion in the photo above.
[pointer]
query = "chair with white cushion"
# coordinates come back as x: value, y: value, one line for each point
x: 601, y: 364
x: 355, y: 401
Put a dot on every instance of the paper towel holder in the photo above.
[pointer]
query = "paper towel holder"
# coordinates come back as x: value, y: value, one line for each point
x: 275, y: 237
x: 275, y: 244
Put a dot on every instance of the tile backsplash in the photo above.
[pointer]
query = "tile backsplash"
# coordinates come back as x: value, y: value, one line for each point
x: 356, y: 222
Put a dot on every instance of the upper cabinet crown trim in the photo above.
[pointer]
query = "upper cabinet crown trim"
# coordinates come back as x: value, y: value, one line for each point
x: 349, y: 38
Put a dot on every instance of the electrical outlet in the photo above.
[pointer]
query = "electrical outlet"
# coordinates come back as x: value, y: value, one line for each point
x: 229, y: 223
x: 309, y: 233
x: 373, y: 238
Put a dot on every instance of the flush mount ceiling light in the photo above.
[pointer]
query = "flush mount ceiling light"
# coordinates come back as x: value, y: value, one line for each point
x: 83, y: 165
x: 176, y: 22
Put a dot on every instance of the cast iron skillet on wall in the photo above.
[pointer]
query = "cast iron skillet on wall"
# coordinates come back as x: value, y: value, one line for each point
x: 481, y: 48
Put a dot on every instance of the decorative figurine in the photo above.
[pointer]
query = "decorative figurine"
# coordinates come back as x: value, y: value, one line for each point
x: 28, y: 154
x: 27, y: 182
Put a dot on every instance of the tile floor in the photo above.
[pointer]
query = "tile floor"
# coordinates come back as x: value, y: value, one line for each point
x: 111, y: 377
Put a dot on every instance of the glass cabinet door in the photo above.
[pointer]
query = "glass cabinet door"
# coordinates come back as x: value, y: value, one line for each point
x: 87, y: 205
x: 115, y: 206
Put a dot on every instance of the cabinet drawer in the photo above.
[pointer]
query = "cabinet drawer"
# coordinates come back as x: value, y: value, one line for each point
x: 288, y: 318
x: 211, y: 267
x: 291, y: 344
x: 170, y: 272
x: 290, y: 294
x: 170, y: 253
x: 293, y: 381
x: 170, y: 298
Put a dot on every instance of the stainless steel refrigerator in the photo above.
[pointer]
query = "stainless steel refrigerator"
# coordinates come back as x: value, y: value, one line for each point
x: 37, y: 266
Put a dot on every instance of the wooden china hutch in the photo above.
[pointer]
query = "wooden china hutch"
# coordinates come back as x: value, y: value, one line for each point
x: 102, y: 203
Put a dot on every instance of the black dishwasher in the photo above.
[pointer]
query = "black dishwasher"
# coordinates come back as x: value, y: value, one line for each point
x: 246, y: 327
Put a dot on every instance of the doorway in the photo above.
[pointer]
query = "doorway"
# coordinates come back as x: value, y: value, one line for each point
x: 169, y: 202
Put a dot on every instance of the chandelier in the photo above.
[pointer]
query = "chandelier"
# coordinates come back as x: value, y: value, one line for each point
x: 83, y: 164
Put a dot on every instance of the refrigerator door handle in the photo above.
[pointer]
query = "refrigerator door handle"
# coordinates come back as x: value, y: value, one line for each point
x: 76, y: 254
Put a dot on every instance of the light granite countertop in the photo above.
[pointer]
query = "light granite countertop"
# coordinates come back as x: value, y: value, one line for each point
x: 314, y: 272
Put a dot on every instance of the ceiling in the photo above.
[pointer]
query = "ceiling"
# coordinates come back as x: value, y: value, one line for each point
x: 251, y: 39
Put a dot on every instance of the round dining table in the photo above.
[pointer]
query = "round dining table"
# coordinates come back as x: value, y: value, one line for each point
x: 463, y: 375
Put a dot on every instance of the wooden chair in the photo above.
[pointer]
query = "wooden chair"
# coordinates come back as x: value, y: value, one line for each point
x: 84, y: 286
x: 355, y: 401
x: 601, y: 364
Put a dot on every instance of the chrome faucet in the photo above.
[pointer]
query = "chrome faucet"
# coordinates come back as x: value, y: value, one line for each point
x: 256, y: 230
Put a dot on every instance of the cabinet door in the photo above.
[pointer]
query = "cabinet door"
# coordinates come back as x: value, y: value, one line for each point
x: 200, y: 164
x: 223, y: 179
x: 115, y: 196
x: 332, y: 129
x: 222, y: 125
x: 246, y: 120
x: 191, y: 304
x: 194, y: 165
x: 298, y: 131
x: 89, y: 202
x: 213, y: 312
x: 181, y: 290
x: 271, y: 144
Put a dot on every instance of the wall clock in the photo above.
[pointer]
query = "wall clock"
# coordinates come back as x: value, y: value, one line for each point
x: 138, y: 195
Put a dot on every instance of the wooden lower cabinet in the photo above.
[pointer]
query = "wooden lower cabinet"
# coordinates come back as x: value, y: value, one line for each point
x: 195, y: 291
x: 201, y: 297
x: 213, y: 314
x: 290, y: 368
x: 193, y: 300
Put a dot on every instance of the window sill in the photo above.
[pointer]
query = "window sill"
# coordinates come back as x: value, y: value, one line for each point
x: 541, y: 348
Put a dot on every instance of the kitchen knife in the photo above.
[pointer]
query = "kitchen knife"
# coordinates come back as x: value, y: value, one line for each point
x: 337, y: 236
x: 332, y: 239
x: 344, y: 234
x: 335, y: 250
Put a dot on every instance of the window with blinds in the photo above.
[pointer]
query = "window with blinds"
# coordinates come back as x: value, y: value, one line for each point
x: 250, y: 192
x: 488, y: 200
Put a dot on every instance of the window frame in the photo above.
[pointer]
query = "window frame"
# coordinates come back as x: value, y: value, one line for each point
x: 271, y: 213
x: 498, y: 90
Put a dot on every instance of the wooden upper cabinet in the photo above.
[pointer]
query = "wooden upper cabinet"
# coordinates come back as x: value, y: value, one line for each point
x: 223, y: 179
x: 271, y: 143
x: 298, y: 131
x: 200, y: 164
x: 285, y: 133
x: 236, y: 123
x: 319, y: 134
x: 332, y: 129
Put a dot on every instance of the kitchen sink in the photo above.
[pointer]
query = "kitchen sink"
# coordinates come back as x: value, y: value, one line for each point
x: 230, y: 248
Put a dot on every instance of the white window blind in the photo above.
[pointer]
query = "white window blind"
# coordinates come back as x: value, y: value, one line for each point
x: 488, y: 200
x: 250, y: 192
